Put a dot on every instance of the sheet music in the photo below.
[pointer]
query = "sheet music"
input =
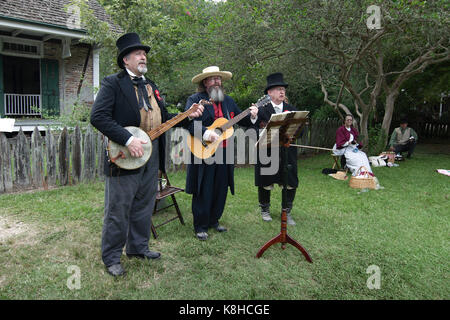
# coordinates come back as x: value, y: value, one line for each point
x: 272, y: 136
x: 7, y: 125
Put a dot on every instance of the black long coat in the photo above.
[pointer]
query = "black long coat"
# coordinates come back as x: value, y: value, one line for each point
x: 264, y: 114
x: 116, y: 107
x: 194, y: 174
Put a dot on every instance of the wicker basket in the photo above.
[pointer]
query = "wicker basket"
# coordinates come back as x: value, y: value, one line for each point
x: 367, y: 182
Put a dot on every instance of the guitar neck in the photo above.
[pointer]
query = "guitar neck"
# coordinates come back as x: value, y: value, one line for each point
x: 155, y: 133
x: 236, y: 119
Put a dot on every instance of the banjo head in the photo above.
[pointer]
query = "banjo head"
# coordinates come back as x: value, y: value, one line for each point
x: 129, y: 162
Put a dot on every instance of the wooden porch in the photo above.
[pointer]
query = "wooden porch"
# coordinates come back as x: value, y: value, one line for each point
x: 22, y: 104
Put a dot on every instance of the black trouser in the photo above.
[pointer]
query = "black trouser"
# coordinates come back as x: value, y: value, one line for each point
x: 264, y: 198
x: 399, y: 148
x: 129, y: 204
x: 208, y: 205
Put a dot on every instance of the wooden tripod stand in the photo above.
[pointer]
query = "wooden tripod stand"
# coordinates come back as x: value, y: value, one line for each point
x: 283, y: 237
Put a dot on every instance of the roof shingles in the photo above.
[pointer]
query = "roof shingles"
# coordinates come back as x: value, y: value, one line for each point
x: 51, y: 12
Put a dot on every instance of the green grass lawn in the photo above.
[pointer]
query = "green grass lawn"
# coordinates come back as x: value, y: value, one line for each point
x: 403, y: 229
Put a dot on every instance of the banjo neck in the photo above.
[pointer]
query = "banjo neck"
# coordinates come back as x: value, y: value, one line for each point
x: 156, y: 132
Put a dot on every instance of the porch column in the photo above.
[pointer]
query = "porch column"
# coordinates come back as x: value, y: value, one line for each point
x: 2, y: 95
x: 96, y: 66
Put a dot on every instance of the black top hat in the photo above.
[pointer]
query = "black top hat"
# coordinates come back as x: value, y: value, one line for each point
x: 275, y: 80
x: 127, y: 43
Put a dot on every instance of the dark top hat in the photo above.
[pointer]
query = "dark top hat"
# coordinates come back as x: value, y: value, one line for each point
x: 275, y: 80
x: 127, y: 43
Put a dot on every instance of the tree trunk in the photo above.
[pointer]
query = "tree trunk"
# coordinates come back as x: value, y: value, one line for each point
x: 364, y: 132
x: 388, y: 112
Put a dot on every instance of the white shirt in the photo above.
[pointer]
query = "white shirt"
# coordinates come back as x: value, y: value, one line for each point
x: 133, y: 75
x: 278, y: 107
x: 351, y: 137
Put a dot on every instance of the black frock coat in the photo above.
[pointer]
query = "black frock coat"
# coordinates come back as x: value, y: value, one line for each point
x: 116, y: 107
x: 195, y: 170
x: 264, y: 114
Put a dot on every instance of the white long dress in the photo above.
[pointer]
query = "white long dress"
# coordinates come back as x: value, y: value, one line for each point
x: 354, y: 159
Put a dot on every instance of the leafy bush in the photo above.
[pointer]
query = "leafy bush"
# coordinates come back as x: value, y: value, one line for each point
x: 376, y: 140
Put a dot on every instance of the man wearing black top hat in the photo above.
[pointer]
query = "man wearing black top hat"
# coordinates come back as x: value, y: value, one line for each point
x: 128, y: 98
x: 276, y: 89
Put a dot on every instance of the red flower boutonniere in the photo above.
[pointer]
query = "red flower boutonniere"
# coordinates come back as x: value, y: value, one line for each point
x: 286, y: 111
x: 157, y: 94
x: 232, y: 115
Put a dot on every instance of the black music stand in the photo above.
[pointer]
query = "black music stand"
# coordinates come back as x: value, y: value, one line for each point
x: 285, y: 129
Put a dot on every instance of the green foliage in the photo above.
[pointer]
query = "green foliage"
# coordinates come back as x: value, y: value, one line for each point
x: 420, y: 96
x: 171, y: 108
x: 252, y: 38
x: 377, y: 140
x: 78, y: 115
x: 323, y: 113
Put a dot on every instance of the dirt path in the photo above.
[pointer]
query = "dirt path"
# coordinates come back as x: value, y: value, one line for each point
x: 10, y: 228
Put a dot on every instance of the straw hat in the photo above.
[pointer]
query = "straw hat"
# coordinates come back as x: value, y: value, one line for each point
x: 211, y: 72
x: 340, y: 175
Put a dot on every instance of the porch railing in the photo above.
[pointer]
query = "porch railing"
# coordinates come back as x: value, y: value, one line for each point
x: 22, y: 104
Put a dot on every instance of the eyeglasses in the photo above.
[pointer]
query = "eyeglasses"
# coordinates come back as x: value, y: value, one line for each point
x: 214, y: 79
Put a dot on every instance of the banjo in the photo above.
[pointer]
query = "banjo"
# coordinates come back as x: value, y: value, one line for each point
x: 121, y: 157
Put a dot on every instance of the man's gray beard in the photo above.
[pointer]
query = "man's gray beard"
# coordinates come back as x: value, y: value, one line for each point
x: 216, y: 94
x: 142, y: 68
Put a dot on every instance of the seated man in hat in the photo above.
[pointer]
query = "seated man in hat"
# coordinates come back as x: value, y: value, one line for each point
x: 276, y: 89
x: 128, y: 98
x: 208, y: 179
x: 403, y: 139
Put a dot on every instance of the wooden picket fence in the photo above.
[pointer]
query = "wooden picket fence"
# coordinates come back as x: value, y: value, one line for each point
x: 58, y: 158
x: 432, y: 130
x: 68, y: 157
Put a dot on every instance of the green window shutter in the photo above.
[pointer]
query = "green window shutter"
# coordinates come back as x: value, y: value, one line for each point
x: 50, y: 86
x: 2, y: 101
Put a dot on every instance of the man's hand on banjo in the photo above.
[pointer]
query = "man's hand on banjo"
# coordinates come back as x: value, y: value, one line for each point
x: 135, y: 147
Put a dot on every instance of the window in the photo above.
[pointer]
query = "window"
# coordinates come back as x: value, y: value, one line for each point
x: 21, y: 47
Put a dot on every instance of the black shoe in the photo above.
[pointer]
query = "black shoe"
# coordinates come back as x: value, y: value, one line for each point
x: 116, y: 270
x: 221, y: 229
x: 150, y: 255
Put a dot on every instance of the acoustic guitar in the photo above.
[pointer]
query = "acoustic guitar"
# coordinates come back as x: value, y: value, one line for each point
x: 224, y: 128
x: 120, y: 156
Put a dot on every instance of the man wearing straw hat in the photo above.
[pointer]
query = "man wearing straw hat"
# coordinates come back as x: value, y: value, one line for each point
x: 128, y: 98
x: 208, y: 181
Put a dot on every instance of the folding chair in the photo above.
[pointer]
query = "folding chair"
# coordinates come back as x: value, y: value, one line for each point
x: 335, y: 161
x: 164, y: 192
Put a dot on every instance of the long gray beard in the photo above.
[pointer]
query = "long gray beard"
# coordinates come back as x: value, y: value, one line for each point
x: 216, y: 94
